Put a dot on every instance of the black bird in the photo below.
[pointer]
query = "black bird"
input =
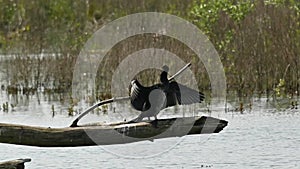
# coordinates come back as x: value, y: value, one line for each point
x: 151, y: 100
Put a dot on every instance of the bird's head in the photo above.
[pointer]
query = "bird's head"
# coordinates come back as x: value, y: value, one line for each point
x: 165, y: 68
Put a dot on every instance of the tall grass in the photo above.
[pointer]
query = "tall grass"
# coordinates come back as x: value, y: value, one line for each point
x: 259, y: 47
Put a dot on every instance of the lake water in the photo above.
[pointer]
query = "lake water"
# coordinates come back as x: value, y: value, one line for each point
x: 264, y: 137
x: 261, y: 138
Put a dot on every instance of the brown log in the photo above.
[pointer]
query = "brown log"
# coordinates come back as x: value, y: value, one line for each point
x: 104, y: 134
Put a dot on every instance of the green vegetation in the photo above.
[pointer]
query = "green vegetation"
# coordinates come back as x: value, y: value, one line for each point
x: 258, y: 41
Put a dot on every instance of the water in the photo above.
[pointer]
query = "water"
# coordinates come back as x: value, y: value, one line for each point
x: 261, y: 138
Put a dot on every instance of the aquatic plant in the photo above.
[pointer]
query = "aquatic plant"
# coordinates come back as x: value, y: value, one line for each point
x: 258, y: 42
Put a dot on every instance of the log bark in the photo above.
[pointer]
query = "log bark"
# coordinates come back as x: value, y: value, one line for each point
x: 14, y: 164
x: 105, y: 134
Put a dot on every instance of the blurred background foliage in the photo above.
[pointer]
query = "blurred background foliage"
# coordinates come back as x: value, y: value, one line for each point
x: 258, y: 40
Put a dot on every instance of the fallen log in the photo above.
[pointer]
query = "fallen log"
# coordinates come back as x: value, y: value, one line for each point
x: 105, y: 134
x: 14, y: 164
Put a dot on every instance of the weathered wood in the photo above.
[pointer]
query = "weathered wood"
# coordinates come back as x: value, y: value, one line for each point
x: 14, y: 164
x: 104, y: 134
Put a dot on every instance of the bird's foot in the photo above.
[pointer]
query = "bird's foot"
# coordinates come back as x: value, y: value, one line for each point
x: 155, y: 123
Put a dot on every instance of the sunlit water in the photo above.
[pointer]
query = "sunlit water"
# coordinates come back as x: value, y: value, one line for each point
x: 261, y: 138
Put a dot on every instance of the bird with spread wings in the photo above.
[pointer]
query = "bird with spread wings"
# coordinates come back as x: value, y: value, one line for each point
x: 151, y: 100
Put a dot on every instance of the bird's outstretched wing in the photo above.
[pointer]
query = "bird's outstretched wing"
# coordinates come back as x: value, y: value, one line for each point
x: 139, y: 95
x: 176, y: 94
x: 183, y: 95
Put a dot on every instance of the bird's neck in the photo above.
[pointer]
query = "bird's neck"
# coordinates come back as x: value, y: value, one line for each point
x: 164, y: 80
x: 164, y: 77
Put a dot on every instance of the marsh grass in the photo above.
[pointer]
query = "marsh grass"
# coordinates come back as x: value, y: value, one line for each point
x: 29, y: 75
x: 259, y: 46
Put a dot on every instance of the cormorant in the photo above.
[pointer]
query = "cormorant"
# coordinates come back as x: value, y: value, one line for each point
x: 151, y: 100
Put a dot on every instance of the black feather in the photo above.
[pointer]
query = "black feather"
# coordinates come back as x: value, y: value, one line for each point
x: 175, y: 93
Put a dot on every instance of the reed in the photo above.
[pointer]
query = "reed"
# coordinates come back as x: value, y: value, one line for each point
x: 258, y: 43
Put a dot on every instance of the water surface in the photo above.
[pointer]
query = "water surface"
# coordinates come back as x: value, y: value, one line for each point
x: 261, y: 138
